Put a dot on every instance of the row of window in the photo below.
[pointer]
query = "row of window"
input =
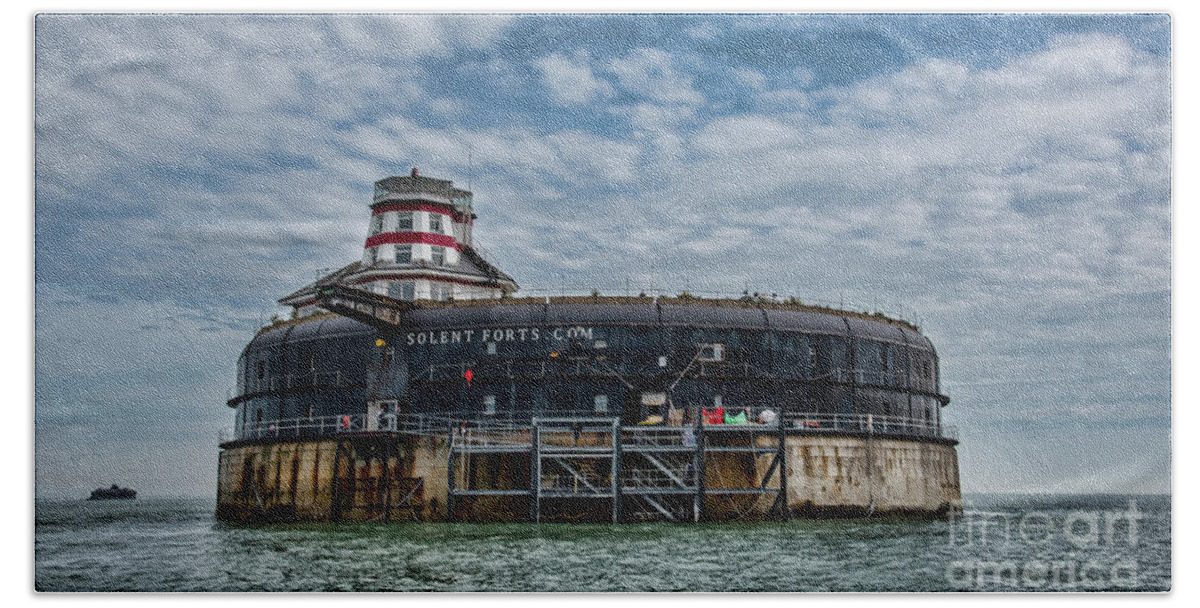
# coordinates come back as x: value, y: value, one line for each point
x: 407, y: 290
x: 599, y: 404
x: 404, y: 255
x: 406, y: 222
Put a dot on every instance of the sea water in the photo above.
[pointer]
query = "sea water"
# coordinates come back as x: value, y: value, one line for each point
x: 1001, y: 543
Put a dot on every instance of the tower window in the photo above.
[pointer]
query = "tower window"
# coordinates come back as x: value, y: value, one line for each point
x: 489, y: 404
x: 404, y: 221
x: 372, y: 256
x: 601, y: 403
x: 491, y: 348
x: 401, y: 290
x: 435, y: 223
x: 376, y: 225
x: 403, y: 254
x: 438, y: 256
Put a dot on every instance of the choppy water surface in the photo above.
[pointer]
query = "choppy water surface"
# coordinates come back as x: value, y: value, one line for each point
x: 1046, y: 543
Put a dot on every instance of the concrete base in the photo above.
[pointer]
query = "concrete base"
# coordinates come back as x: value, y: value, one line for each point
x: 383, y: 476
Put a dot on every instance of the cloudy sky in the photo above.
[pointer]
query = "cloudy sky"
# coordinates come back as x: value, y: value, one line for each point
x: 1004, y: 181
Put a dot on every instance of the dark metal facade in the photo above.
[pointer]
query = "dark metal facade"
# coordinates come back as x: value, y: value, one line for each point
x: 591, y: 356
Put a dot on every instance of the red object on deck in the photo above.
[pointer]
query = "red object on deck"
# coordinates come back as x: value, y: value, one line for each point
x: 715, y: 415
x: 468, y: 375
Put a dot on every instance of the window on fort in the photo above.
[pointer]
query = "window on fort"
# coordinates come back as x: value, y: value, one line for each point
x: 489, y: 404
x: 371, y: 256
x: 403, y: 254
x: 812, y: 356
x: 491, y: 348
x: 435, y: 223
x: 438, y: 256
x: 883, y: 358
x: 601, y: 403
x: 376, y: 225
x: 404, y: 221
x: 401, y: 290
x: 439, y: 292
x: 712, y: 352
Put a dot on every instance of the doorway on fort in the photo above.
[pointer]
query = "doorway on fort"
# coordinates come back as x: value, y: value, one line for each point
x: 381, y: 415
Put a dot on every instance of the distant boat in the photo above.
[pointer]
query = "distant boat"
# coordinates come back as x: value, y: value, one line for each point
x: 113, y: 493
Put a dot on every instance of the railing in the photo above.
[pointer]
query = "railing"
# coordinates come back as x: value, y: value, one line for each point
x: 860, y: 303
x: 475, y: 435
x: 475, y: 432
x: 869, y: 423
x: 297, y: 427
x: 634, y: 437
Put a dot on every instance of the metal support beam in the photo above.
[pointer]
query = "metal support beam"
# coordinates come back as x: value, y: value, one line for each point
x: 535, y: 476
x: 388, y: 449
x: 578, y: 477
x: 616, y: 470
x: 698, y: 502
x: 335, y: 507
x: 658, y: 507
x: 766, y: 480
x: 408, y: 497
x: 450, y: 474
x: 783, y: 470
x: 662, y: 467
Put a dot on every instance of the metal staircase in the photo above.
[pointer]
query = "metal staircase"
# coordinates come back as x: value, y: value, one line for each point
x: 576, y: 458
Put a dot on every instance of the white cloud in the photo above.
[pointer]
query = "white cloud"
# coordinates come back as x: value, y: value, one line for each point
x: 570, y: 79
x: 751, y: 79
x: 652, y: 73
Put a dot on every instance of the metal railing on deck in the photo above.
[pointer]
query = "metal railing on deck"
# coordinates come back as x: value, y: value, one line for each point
x: 869, y: 423
x: 482, y: 433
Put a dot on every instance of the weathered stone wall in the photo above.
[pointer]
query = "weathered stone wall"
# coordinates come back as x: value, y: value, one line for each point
x: 827, y: 477
x: 282, y: 481
x: 832, y: 474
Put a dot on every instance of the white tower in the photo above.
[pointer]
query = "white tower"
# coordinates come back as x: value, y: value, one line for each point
x: 418, y: 247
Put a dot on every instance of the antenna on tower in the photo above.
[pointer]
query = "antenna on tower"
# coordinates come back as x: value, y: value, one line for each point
x: 470, y: 165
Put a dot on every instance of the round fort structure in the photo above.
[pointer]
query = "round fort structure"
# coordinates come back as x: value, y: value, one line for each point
x: 413, y: 385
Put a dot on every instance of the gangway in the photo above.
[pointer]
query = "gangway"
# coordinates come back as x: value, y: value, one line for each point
x: 379, y: 311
